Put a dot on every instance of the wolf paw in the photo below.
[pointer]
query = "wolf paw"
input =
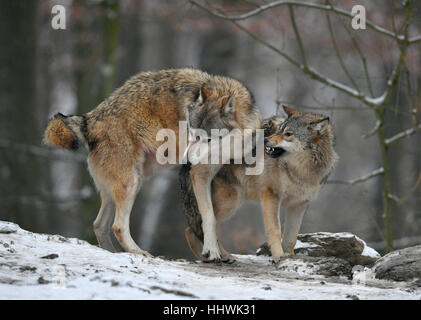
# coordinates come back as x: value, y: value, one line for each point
x: 276, y: 261
x: 228, y: 259
x: 211, y: 257
x: 144, y: 253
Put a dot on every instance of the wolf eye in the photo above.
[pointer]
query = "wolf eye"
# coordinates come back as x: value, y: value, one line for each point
x: 288, y: 134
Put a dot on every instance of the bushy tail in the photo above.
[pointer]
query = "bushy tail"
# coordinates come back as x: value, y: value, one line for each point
x: 191, y: 210
x: 66, y: 131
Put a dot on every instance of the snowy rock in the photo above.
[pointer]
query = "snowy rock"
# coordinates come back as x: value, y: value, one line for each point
x: 8, y: 227
x: 39, y: 266
x: 345, y: 246
x: 400, y: 265
x: 324, y: 266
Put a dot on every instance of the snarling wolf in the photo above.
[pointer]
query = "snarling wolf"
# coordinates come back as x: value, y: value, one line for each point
x: 120, y: 136
x: 299, y: 156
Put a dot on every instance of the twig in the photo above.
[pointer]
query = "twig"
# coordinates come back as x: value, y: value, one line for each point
x: 297, y: 35
x: 323, y: 107
x: 373, y: 174
x: 338, y: 53
x: 402, y: 135
x: 373, y: 131
x: 403, y: 199
x: 363, y: 59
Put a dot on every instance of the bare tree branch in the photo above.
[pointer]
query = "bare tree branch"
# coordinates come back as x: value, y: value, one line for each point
x: 414, y: 39
x: 402, y: 135
x: 372, y: 102
x: 372, y: 174
x: 331, y: 8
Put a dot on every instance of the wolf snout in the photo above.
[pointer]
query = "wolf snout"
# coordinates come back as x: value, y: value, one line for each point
x: 269, y: 143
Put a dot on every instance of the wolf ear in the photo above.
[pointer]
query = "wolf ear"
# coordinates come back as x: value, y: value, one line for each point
x: 290, y: 112
x: 203, y: 95
x: 279, y: 111
x: 227, y: 103
x: 320, y: 125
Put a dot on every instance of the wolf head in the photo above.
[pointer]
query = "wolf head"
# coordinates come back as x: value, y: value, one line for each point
x: 207, y: 113
x: 272, y: 124
x: 300, y: 132
x: 211, y: 111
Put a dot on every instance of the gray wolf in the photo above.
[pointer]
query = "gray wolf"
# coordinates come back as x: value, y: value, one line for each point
x: 299, y: 156
x: 120, y: 136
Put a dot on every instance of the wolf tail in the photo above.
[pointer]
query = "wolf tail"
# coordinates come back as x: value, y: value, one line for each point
x: 191, y: 210
x: 68, y: 132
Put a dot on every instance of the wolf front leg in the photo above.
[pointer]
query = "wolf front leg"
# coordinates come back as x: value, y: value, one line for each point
x: 293, y: 219
x: 270, y: 206
x: 201, y: 176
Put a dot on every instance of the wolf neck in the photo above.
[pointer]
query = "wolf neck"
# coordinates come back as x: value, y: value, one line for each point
x: 311, y: 166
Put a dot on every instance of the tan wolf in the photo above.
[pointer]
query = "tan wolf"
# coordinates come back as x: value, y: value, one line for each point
x: 299, y: 156
x: 120, y: 136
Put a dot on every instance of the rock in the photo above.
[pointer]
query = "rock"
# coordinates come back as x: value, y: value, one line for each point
x: 50, y: 256
x: 324, y: 266
x: 263, y: 250
x: 41, y: 280
x: 400, y: 265
x: 8, y: 227
x: 342, y: 245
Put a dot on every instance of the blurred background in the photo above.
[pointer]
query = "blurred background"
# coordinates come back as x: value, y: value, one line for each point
x: 44, y: 71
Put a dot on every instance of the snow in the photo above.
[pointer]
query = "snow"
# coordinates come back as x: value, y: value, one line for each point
x: 40, y: 266
x: 302, y: 245
x: 368, y: 251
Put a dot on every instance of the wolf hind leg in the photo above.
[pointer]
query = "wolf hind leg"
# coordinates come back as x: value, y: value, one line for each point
x: 226, y: 257
x: 124, y: 193
x: 194, y: 243
x: 103, y: 222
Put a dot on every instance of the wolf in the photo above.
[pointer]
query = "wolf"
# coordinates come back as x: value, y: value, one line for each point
x: 299, y: 156
x: 120, y: 136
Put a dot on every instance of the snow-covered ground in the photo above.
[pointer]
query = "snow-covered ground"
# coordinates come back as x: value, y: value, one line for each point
x: 39, y: 266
